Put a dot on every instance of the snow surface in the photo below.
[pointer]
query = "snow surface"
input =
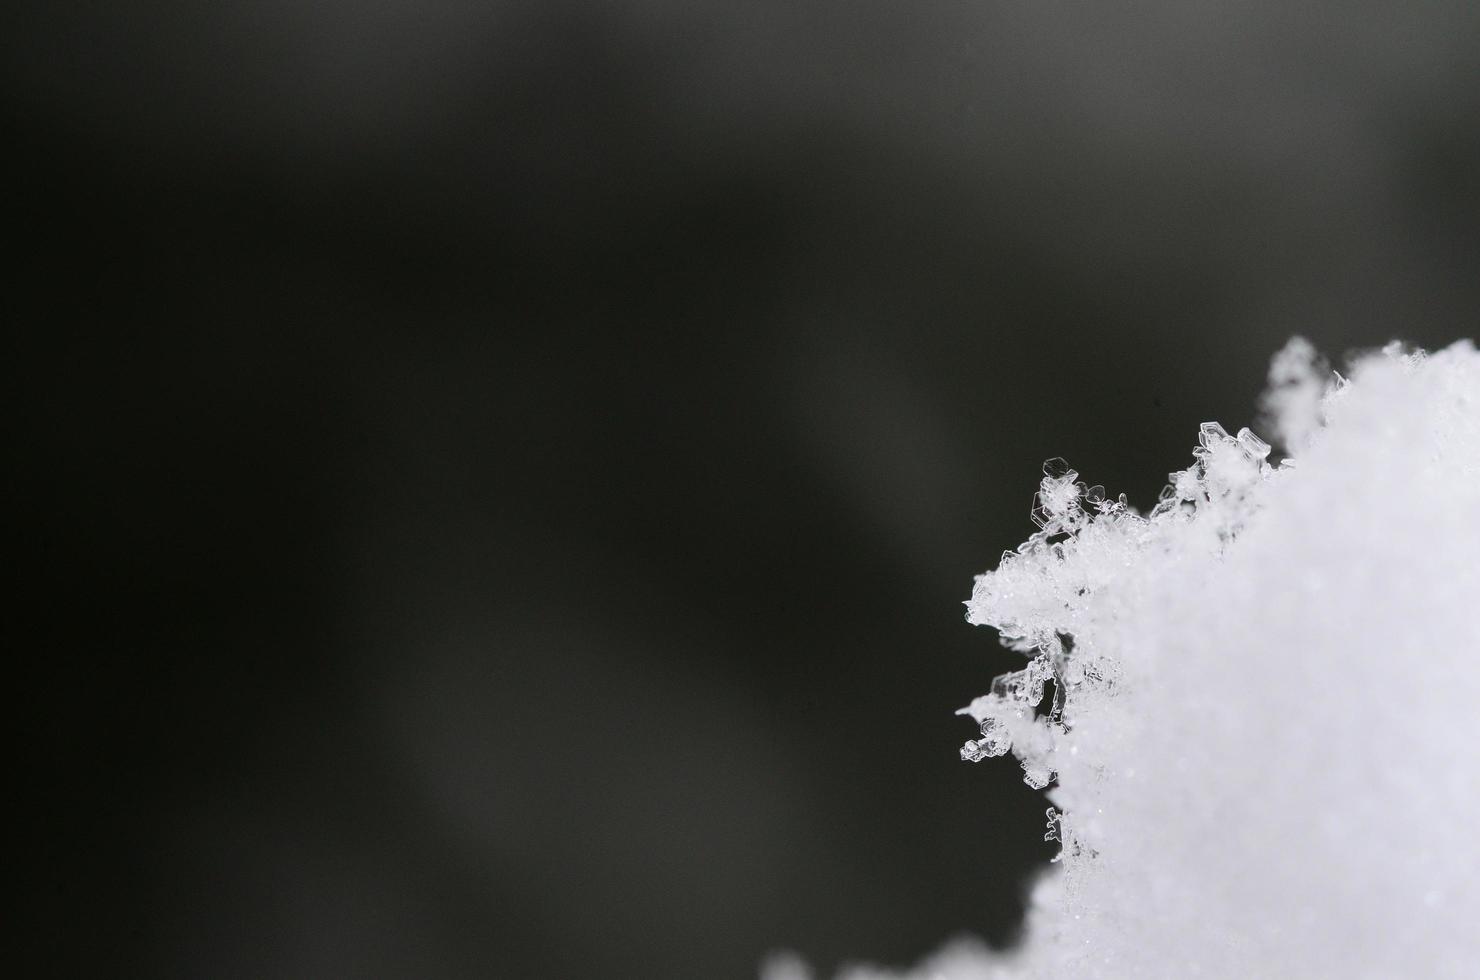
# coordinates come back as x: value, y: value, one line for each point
x: 1262, y: 732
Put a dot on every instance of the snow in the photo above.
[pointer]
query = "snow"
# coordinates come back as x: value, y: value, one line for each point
x: 1263, y: 743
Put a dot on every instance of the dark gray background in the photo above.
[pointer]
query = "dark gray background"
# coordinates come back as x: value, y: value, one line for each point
x: 494, y: 483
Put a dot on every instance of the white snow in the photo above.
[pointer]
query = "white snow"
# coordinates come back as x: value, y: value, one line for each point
x: 1264, y: 740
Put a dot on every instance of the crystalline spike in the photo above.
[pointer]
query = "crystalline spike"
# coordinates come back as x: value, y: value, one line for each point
x: 1057, y: 498
x: 1023, y: 686
x: 1037, y: 776
x: 1256, y: 447
x: 972, y: 751
x: 996, y: 739
x: 1211, y: 434
x: 1186, y: 485
x: 1056, y: 468
x: 982, y: 708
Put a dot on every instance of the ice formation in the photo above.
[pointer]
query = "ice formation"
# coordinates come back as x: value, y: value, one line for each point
x: 1263, y: 732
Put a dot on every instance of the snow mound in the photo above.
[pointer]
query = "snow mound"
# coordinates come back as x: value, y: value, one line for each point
x: 1258, y: 705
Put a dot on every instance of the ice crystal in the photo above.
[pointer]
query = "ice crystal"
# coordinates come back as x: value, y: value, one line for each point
x: 1264, y: 740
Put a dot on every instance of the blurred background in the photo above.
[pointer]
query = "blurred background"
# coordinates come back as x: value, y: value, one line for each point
x: 493, y: 484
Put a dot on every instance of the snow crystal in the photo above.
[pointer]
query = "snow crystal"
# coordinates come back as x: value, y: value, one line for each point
x: 1264, y: 743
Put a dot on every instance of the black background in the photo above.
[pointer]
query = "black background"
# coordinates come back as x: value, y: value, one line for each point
x: 493, y: 484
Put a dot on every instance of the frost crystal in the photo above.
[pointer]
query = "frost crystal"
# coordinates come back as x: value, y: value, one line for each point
x: 1264, y: 735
